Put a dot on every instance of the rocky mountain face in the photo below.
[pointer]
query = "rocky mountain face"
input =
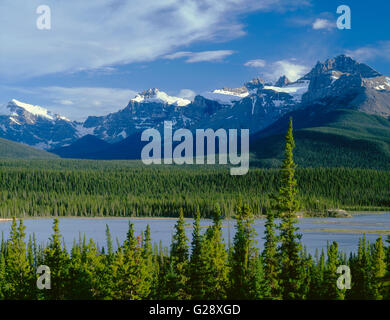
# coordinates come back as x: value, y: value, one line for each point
x: 35, y: 126
x: 336, y: 83
x: 343, y: 82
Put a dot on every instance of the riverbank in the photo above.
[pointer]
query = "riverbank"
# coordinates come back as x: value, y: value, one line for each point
x: 331, y: 213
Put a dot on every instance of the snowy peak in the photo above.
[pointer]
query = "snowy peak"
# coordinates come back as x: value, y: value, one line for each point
x: 16, y: 108
x: 342, y: 64
x: 340, y: 77
x: 282, y: 82
x: 254, y: 84
x: 155, y: 95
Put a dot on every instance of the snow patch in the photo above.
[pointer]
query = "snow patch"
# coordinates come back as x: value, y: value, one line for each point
x: 231, y: 93
x: 81, y: 131
x: 123, y: 134
x: 159, y: 96
x: 296, y: 89
x: 254, y: 100
x: 35, y: 110
x: 278, y: 103
x: 14, y: 120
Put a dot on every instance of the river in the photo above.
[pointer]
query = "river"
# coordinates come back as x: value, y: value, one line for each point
x: 316, y: 232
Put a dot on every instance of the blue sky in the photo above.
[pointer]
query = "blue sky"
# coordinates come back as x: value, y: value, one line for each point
x: 99, y: 53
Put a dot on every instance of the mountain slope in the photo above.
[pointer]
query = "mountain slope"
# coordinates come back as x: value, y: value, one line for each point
x: 327, y: 138
x: 14, y: 150
x: 82, y: 148
x: 35, y: 126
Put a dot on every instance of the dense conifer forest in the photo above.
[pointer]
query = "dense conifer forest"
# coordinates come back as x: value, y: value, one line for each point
x: 93, y: 188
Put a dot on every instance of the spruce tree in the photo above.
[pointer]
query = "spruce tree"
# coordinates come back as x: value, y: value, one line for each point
x: 19, y: 275
x: 379, y: 269
x: 178, y: 274
x: 109, y: 241
x: 131, y: 278
x: 195, y: 268
x: 214, y: 257
x: 330, y: 289
x: 57, y: 259
x: 246, y: 273
x: 362, y: 272
x: 270, y: 258
x: 292, y: 270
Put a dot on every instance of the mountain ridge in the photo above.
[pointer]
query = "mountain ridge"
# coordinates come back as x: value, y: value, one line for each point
x: 337, y: 83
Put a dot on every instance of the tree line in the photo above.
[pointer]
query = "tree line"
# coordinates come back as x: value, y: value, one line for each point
x: 161, y: 192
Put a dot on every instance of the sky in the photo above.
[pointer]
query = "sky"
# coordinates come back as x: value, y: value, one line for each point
x: 97, y: 54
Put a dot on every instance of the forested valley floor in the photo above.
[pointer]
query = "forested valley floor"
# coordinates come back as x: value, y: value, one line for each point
x: 85, y: 188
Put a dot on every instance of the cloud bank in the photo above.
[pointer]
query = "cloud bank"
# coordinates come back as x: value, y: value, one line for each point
x: 92, y: 34
x: 192, y: 57
x: 272, y: 71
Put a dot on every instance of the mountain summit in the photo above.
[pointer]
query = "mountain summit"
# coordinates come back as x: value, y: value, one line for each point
x: 155, y: 95
x: 344, y: 82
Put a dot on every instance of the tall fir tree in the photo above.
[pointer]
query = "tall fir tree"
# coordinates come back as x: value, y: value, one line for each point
x: 131, y: 278
x: 19, y: 274
x: 270, y: 258
x: 246, y: 272
x: 215, y: 259
x: 178, y: 277
x: 329, y: 285
x: 292, y: 270
x: 196, y: 270
x: 379, y: 269
x: 57, y: 259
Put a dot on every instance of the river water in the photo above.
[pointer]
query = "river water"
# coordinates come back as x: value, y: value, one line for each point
x: 346, y: 231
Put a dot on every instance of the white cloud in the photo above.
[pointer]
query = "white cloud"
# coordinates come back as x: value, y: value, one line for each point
x: 66, y: 102
x: 320, y: 24
x: 380, y: 50
x: 187, y: 94
x: 258, y: 63
x: 210, y: 56
x: 94, y: 34
x: 289, y: 68
x: 292, y: 71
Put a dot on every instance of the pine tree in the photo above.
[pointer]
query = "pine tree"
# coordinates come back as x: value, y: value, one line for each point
x: 292, y: 271
x: 131, y: 279
x: 379, y: 269
x: 109, y: 241
x: 330, y: 289
x: 195, y: 268
x: 57, y: 259
x: 19, y: 276
x: 270, y: 258
x: 178, y: 277
x: 246, y: 274
x: 361, y: 269
x: 316, y: 287
x: 214, y: 257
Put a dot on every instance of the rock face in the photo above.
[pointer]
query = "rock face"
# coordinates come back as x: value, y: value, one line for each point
x: 35, y: 126
x: 282, y: 82
x: 338, y: 213
x: 336, y: 83
x: 344, y: 83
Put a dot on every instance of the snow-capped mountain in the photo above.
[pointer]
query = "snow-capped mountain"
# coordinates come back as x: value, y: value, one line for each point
x: 344, y: 82
x: 35, y: 126
x: 155, y: 95
x: 335, y: 83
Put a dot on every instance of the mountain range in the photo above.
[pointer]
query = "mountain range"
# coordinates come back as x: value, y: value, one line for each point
x: 328, y: 100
